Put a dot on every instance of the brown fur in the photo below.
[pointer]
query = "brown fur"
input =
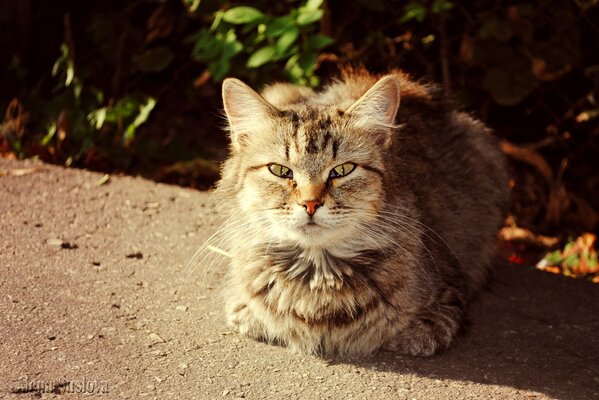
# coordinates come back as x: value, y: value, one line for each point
x: 402, y: 242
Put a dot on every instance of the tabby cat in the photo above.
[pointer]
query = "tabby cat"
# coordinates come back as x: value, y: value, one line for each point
x: 356, y: 224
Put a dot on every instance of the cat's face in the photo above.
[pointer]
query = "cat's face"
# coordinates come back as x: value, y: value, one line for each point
x: 308, y: 174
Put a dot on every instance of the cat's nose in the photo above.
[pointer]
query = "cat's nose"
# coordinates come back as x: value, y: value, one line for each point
x: 311, y: 206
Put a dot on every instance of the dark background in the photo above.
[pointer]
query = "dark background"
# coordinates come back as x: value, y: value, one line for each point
x: 529, y: 69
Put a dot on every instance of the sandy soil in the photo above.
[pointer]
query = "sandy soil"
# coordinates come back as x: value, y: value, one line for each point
x: 95, y: 296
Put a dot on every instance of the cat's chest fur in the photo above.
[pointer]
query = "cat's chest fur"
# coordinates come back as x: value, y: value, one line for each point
x: 313, y: 285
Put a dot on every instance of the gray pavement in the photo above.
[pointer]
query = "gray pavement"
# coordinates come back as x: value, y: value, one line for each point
x: 95, y: 297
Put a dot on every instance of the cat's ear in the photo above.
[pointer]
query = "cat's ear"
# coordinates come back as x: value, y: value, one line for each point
x: 246, y: 110
x: 377, y: 107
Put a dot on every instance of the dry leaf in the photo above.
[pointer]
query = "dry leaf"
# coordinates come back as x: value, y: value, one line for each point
x: 160, y: 24
x: 529, y: 157
x: 202, y: 79
x: 103, y: 180
x: 20, y: 171
x: 512, y: 232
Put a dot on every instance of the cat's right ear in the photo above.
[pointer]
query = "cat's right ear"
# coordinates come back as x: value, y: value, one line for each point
x: 246, y: 110
x: 377, y: 108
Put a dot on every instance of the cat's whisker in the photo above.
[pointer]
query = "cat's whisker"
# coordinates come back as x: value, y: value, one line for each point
x: 213, y: 256
x: 408, y: 227
x: 221, y: 237
x: 405, y: 228
x: 430, y: 229
x: 200, y: 250
x: 397, y: 247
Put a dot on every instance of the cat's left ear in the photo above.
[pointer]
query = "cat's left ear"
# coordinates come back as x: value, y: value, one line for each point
x: 377, y: 108
x: 246, y: 110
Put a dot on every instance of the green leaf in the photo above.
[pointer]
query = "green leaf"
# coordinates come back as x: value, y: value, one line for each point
x: 70, y: 74
x: 97, y: 117
x: 217, y: 18
x: 592, y: 263
x: 154, y: 60
x: 413, y: 11
x: 308, y: 16
x: 287, y: 39
x: 129, y: 134
x: 191, y: 5
x: 313, y: 4
x: 278, y: 26
x: 144, y: 112
x: 440, y: 6
x: 142, y: 116
x: 316, y: 42
x: 571, y: 261
x: 261, y: 56
x: 124, y: 108
x: 242, y: 15
x: 231, y: 46
x: 77, y: 88
x: 219, y: 68
x: 206, y: 46
x: 307, y: 61
x: 49, y: 135
x: 554, y: 258
x: 511, y: 83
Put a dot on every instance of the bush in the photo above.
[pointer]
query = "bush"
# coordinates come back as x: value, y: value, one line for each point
x: 83, y: 80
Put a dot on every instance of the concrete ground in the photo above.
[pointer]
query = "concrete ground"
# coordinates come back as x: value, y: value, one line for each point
x: 95, y: 297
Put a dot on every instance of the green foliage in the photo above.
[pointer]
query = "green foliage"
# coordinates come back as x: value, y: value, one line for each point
x: 418, y: 11
x: 129, y: 111
x: 155, y: 59
x: 245, y: 36
x: 242, y: 15
x: 84, y: 101
x: 77, y: 113
x: 577, y: 258
x: 517, y: 60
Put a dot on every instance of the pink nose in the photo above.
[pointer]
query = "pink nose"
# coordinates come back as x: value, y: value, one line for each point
x: 311, y: 206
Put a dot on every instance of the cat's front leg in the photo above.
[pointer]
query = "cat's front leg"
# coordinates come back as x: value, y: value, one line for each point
x: 241, y: 318
x: 428, y: 332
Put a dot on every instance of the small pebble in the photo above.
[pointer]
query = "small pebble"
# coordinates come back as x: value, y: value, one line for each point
x: 155, y: 339
x: 54, y: 242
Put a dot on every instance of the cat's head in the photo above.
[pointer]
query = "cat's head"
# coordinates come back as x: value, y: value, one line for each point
x: 309, y: 172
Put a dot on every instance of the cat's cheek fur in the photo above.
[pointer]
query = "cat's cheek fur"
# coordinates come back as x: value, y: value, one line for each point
x: 260, y: 193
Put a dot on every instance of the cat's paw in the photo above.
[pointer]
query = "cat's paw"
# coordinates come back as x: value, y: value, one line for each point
x: 240, y: 318
x: 425, y: 336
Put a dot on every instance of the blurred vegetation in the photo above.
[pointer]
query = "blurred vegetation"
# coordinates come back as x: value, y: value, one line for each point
x: 133, y: 86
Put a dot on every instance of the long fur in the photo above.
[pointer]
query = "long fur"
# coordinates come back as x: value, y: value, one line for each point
x: 401, y: 243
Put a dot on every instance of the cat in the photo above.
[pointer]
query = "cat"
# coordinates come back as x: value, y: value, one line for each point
x: 356, y: 224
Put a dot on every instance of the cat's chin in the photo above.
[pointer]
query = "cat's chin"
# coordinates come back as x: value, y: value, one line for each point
x: 312, y: 235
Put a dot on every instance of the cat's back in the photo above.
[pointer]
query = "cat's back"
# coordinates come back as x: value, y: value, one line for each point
x: 449, y: 162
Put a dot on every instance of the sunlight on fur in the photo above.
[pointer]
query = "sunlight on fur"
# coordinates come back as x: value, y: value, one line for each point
x: 354, y: 224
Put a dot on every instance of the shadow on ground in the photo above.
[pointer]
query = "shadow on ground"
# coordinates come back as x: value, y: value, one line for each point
x: 530, y: 330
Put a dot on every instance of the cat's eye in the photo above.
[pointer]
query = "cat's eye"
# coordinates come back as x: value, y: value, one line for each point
x: 280, y: 170
x: 342, y: 170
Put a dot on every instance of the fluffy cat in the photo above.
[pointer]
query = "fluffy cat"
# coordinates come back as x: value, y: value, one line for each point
x: 356, y: 224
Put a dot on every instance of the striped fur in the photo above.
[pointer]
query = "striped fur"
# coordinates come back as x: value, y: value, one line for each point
x: 396, y: 248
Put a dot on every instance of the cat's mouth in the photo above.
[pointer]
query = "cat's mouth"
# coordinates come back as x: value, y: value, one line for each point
x: 310, y: 228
